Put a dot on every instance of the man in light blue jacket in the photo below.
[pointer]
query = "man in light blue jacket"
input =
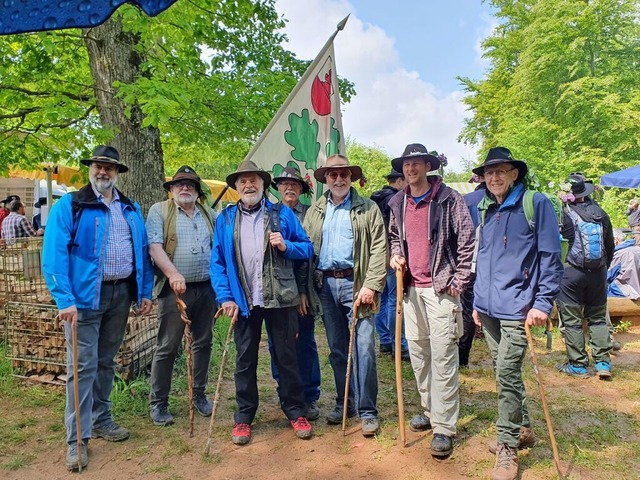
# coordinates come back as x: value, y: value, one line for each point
x: 518, y: 276
x: 96, y: 264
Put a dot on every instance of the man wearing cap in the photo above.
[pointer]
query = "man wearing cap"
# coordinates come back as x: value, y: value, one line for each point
x: 517, y: 279
x: 254, y: 249
x: 431, y: 239
x: 4, y: 208
x: 96, y: 262
x: 291, y: 186
x: 350, y: 247
x: 583, y: 291
x: 385, y: 319
x: 16, y: 224
x: 180, y: 231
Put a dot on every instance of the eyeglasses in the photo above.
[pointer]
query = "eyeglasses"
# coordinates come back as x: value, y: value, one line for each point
x: 333, y: 175
x: 288, y: 183
x: 102, y: 166
x: 185, y: 183
x: 497, y: 173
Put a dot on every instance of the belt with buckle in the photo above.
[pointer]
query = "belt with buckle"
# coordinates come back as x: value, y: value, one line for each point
x: 117, y: 281
x: 338, y: 273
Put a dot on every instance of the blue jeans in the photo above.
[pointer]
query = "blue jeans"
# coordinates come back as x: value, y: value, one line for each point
x: 100, y: 333
x: 336, y: 296
x: 385, y: 319
x: 308, y: 361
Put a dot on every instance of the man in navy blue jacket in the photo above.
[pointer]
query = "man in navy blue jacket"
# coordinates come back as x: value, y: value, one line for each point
x: 517, y: 279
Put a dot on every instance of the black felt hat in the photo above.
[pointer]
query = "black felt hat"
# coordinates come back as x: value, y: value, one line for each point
x: 106, y: 154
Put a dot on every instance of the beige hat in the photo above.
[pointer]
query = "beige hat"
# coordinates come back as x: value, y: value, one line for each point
x: 337, y: 161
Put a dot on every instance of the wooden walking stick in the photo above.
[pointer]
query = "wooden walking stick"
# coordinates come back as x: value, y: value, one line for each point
x: 187, y: 335
x: 398, y: 355
x: 216, y: 396
x: 352, y: 335
x: 76, y: 392
x: 547, y: 416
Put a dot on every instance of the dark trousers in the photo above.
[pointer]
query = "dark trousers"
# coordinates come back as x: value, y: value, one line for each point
x: 282, y: 328
x: 466, y: 341
x: 201, y: 306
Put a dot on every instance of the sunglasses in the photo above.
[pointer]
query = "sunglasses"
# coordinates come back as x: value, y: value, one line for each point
x: 333, y: 175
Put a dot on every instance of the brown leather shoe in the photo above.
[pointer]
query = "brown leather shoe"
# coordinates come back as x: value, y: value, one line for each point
x: 506, y: 463
x: 527, y: 439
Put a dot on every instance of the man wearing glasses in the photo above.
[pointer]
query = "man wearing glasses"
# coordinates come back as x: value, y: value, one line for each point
x: 95, y: 261
x: 180, y: 233
x: 350, y: 247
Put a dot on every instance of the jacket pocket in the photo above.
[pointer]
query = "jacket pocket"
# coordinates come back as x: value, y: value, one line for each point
x: 285, y: 288
x: 455, y: 320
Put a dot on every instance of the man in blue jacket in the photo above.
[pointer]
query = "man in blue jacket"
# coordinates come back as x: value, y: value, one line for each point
x: 96, y: 264
x: 518, y: 276
x: 254, y: 248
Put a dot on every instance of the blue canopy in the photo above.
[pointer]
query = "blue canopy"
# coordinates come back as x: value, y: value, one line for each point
x: 21, y: 16
x: 627, y: 178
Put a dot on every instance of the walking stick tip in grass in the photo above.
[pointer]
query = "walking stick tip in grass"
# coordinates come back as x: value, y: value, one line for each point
x: 352, y: 334
x: 182, y: 307
x: 398, y: 355
x: 76, y: 391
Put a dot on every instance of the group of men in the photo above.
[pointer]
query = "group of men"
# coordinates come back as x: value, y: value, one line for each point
x: 14, y: 223
x: 288, y: 264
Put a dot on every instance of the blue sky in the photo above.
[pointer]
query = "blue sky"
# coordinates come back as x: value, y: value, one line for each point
x: 403, y: 57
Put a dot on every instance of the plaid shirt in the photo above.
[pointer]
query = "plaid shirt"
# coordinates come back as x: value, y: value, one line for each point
x: 118, y: 261
x: 16, y: 226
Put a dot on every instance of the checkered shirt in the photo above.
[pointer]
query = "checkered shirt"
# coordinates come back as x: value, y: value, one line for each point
x: 16, y: 226
x: 118, y: 261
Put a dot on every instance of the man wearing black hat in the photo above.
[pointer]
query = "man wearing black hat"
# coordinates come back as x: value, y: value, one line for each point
x: 252, y: 272
x: 583, y: 292
x: 37, y: 219
x: 431, y: 238
x: 95, y: 262
x: 385, y: 319
x: 518, y: 272
x: 180, y: 231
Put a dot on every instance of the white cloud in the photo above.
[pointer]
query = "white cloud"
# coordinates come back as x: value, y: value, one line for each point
x: 393, y: 107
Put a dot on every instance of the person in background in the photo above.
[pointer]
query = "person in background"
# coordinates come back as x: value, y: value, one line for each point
x: 16, y: 224
x: 633, y: 212
x: 4, y: 207
x: 37, y: 219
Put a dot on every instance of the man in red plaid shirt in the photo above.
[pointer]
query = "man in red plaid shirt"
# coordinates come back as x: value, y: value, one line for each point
x: 16, y: 225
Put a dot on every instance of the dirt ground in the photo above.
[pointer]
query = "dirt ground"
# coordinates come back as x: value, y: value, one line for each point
x: 596, y: 423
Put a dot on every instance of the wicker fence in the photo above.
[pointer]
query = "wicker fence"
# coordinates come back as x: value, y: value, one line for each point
x: 34, y: 338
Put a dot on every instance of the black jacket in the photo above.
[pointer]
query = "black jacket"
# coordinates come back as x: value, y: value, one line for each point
x: 382, y: 197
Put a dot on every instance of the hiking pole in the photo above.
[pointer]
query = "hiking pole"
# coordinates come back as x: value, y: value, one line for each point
x: 76, y: 391
x: 219, y: 197
x: 187, y: 335
x: 223, y: 362
x: 352, y: 334
x: 398, y: 356
x: 547, y: 416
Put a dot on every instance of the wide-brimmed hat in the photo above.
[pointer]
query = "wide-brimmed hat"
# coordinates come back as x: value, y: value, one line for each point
x: 416, y: 150
x: 291, y: 173
x: 337, y: 161
x: 41, y: 202
x: 394, y: 174
x: 498, y: 155
x: 106, y: 154
x: 185, y: 172
x: 580, y: 186
x: 247, y: 166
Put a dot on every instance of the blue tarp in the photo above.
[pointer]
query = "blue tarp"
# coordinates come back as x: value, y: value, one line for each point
x: 22, y: 16
x: 627, y: 178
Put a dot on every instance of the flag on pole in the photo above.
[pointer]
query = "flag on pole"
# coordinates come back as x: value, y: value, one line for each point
x: 308, y: 126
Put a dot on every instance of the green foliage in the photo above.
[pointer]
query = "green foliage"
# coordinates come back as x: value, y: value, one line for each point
x: 130, y: 398
x: 375, y: 165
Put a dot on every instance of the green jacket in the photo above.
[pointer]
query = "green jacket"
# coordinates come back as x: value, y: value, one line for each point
x: 369, y: 248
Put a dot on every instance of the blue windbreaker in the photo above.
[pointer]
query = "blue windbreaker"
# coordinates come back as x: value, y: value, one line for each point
x: 72, y: 268
x: 517, y: 268
x: 225, y: 277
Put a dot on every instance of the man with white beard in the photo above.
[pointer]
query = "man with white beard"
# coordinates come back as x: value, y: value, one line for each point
x: 255, y: 246
x: 180, y: 232
x: 96, y: 263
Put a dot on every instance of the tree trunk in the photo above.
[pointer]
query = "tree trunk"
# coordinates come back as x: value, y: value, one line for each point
x: 112, y: 58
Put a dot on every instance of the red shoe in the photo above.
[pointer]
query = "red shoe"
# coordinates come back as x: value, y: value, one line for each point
x: 302, y: 428
x: 241, y: 433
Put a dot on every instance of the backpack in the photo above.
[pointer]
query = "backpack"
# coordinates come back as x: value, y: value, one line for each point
x: 587, y: 250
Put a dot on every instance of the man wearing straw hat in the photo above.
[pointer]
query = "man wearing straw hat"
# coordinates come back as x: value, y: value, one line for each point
x: 254, y: 249
x: 95, y: 262
x: 350, y: 246
x: 180, y: 232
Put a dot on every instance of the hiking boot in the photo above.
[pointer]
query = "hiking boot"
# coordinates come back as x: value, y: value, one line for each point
x: 111, y: 432
x: 335, y: 416
x: 370, y: 426
x: 506, y: 463
x: 313, y: 411
x: 202, y: 404
x: 160, y: 415
x: 386, y: 349
x: 573, y: 370
x: 241, y: 433
x: 441, y: 445
x: 302, y: 428
x: 420, y: 423
x: 604, y: 370
x: 526, y: 439
x: 72, y: 456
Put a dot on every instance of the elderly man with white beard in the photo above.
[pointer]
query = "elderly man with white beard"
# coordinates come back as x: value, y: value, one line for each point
x: 180, y: 232
x: 254, y: 249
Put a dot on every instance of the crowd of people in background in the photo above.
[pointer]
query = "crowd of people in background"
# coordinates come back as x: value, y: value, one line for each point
x: 492, y: 259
